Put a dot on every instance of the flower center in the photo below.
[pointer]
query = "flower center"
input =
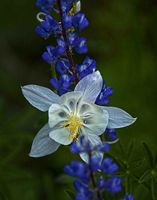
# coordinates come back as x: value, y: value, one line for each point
x: 73, y: 124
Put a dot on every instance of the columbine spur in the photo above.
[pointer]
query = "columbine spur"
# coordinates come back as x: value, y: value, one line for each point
x: 73, y: 114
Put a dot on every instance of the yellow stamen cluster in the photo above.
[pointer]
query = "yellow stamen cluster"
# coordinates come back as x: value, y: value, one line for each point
x: 73, y: 124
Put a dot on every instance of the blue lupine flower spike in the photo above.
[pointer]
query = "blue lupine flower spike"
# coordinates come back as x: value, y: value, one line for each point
x: 86, y: 183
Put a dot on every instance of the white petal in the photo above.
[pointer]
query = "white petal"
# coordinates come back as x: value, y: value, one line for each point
x: 90, y: 86
x: 43, y: 144
x: 61, y: 135
x: 57, y: 115
x: 71, y: 100
x: 118, y: 118
x: 84, y: 157
x: 94, y: 139
x: 39, y: 97
x: 95, y: 120
x: 112, y: 142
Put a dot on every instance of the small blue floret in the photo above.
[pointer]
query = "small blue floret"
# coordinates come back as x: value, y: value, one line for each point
x: 108, y: 166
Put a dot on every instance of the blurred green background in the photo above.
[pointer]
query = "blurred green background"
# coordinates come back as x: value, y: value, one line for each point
x: 122, y: 37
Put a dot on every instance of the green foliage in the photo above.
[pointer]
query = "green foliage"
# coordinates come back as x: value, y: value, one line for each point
x: 70, y: 194
x: 138, y: 169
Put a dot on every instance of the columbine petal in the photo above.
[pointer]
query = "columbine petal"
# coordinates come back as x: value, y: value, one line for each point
x: 95, y: 120
x: 94, y: 139
x: 43, y: 144
x: 61, y: 135
x: 118, y: 118
x: 71, y: 101
x: 57, y: 115
x: 90, y: 86
x: 40, y: 97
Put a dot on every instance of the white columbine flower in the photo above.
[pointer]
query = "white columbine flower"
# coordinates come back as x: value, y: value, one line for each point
x: 73, y: 114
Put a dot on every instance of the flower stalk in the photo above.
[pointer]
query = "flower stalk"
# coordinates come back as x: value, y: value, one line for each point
x: 93, y: 180
x: 64, y: 34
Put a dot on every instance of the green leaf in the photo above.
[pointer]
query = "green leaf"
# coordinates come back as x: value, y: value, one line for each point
x: 70, y: 194
x: 146, y: 185
x: 155, y: 160
x: 137, y: 163
x: 121, y: 149
x: 130, y: 149
x: 64, y: 179
x: 145, y: 176
x: 153, y: 190
x: 149, y: 154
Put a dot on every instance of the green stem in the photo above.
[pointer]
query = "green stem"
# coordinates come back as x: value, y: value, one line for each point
x: 152, y: 189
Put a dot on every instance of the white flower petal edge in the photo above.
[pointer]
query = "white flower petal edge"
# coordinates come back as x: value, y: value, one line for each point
x: 118, y: 118
x: 42, y: 144
x: 90, y: 86
x: 40, y: 97
x: 94, y: 140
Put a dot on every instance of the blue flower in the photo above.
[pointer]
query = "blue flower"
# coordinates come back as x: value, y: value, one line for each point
x: 62, y: 84
x: 72, y: 6
x: 95, y: 162
x: 52, y: 54
x: 72, y: 38
x: 113, y: 184
x: 67, y: 21
x: 78, y: 169
x: 73, y: 114
x: 87, y: 67
x: 48, y: 26
x: 80, y: 45
x: 84, y: 146
x: 101, y: 183
x: 62, y: 66
x: 80, y: 21
x: 103, y: 147
x: 105, y: 93
x: 108, y: 166
x: 111, y: 134
x: 83, y: 192
x: 128, y: 197
x: 45, y: 5
x: 81, y: 146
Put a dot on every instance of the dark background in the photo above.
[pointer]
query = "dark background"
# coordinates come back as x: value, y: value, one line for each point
x: 122, y: 37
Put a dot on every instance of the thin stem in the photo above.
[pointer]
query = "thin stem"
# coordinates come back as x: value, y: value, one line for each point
x: 99, y: 196
x: 152, y: 189
x: 127, y: 180
x: 68, y: 48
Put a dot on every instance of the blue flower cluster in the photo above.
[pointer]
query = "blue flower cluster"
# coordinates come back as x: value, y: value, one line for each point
x: 86, y: 185
x: 66, y: 31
